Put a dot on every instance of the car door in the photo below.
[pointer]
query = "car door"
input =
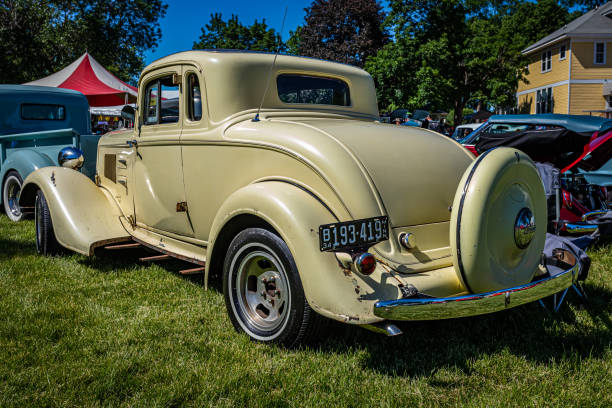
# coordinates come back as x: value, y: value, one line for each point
x: 159, y: 193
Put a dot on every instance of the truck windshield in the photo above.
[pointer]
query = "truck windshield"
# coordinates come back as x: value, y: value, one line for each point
x: 34, y: 111
x: 312, y: 90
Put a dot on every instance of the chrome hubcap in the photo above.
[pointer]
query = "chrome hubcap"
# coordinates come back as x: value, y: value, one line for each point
x: 12, y: 192
x: 263, y: 296
x: 524, y: 228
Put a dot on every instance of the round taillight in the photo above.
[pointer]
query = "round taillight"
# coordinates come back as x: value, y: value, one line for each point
x: 365, y: 263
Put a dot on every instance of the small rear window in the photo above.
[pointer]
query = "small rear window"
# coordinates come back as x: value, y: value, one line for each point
x: 32, y: 111
x: 312, y: 90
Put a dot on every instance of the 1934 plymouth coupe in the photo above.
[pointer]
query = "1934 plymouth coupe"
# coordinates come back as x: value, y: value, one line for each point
x: 308, y: 207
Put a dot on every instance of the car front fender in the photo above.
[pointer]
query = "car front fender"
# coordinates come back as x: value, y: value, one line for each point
x: 83, y: 215
x: 25, y: 162
x: 296, y: 214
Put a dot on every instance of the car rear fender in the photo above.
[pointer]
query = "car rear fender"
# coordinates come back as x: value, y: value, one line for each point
x: 296, y: 214
x: 83, y: 215
x: 24, y: 162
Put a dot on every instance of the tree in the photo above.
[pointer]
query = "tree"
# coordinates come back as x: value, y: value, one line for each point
x: 450, y: 54
x: 346, y: 31
x: 232, y: 34
x: 38, y: 38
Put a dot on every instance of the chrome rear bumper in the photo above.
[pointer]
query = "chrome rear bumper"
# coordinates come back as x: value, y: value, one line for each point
x: 471, y: 305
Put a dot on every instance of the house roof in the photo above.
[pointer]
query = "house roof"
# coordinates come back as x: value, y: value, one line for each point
x: 593, y: 23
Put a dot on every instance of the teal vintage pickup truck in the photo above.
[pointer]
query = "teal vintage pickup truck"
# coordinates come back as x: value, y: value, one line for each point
x: 41, y: 126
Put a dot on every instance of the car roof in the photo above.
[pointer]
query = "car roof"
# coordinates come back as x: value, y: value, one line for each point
x: 37, y: 89
x: 576, y: 123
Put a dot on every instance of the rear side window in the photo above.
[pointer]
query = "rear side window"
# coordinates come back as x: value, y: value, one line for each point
x: 194, y: 102
x: 312, y: 90
x: 34, y: 111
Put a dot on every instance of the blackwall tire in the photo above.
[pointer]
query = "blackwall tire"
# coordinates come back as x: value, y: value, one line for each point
x: 46, y: 243
x: 498, y: 221
x: 10, y: 195
x: 263, y: 291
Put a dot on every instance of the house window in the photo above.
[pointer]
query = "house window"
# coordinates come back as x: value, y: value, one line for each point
x: 544, y: 101
x: 562, y: 52
x: 600, y: 53
x: 546, y: 61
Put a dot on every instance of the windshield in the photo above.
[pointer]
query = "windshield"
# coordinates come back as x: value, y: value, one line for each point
x: 498, y: 128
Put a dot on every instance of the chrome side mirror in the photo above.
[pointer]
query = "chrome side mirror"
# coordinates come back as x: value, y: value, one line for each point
x: 128, y: 113
x: 71, y: 157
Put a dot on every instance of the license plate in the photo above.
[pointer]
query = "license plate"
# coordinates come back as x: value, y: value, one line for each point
x: 342, y: 236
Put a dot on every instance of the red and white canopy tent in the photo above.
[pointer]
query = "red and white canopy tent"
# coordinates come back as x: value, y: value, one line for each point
x: 87, y: 76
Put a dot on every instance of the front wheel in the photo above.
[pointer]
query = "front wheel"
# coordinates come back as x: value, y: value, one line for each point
x: 263, y: 291
x: 10, y: 196
x: 46, y: 243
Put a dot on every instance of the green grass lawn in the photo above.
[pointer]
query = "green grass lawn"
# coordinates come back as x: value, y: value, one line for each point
x: 78, y: 331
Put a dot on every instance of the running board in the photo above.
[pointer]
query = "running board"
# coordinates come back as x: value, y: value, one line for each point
x: 123, y: 246
x: 154, y: 258
x: 194, y: 271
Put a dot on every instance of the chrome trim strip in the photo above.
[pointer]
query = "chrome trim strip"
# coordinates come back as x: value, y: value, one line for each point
x: 476, y: 304
x: 595, y: 213
x: 571, y: 228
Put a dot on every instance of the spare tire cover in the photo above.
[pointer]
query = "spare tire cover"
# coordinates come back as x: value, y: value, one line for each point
x: 494, y: 242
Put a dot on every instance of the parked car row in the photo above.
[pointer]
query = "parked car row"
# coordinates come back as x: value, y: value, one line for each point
x: 580, y: 147
x: 303, y: 202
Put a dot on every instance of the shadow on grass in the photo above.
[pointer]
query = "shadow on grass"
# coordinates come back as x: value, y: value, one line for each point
x: 529, y: 332
x: 13, y: 248
x: 109, y: 261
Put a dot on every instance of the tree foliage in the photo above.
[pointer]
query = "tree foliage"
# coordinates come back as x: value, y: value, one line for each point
x: 40, y: 37
x: 232, y: 34
x: 346, y: 31
x: 451, y: 54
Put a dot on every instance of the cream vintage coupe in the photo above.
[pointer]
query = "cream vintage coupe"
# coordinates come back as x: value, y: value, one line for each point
x: 276, y: 175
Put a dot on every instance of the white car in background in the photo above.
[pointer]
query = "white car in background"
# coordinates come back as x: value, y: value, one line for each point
x: 462, y: 131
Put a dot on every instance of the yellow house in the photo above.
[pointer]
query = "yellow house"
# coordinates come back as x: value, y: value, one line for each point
x: 570, y: 70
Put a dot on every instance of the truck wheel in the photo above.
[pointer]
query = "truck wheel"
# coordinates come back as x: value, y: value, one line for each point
x: 263, y: 291
x: 10, y: 195
x: 46, y: 243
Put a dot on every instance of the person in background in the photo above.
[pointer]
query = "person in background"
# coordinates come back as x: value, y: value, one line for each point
x: 397, y: 121
x: 425, y: 123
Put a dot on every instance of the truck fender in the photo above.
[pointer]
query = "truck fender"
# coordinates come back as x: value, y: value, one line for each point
x: 25, y: 162
x: 83, y: 215
x: 296, y: 214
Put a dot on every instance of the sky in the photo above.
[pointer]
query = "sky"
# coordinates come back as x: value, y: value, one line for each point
x: 184, y: 18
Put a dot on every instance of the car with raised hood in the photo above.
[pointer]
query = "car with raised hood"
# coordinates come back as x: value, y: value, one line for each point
x: 41, y: 126
x: 276, y: 174
x: 579, y: 146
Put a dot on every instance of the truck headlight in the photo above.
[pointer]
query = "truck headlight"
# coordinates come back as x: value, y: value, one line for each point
x: 71, y: 157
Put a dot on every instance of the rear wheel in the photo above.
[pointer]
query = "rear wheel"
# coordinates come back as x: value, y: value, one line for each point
x: 10, y: 195
x: 46, y: 243
x: 263, y: 291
